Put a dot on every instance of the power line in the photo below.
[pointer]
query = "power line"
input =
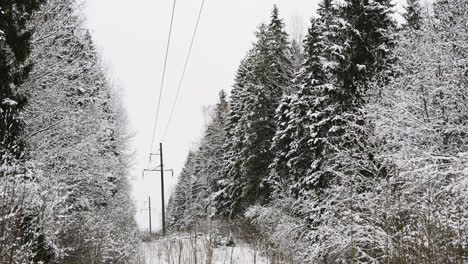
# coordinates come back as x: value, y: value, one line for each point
x: 184, y: 70
x: 163, y: 75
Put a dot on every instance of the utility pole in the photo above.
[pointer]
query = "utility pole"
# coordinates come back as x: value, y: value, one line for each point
x: 149, y: 209
x: 160, y: 169
x: 149, y: 213
x: 162, y: 190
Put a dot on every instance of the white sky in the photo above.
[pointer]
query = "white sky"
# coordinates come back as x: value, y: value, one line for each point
x: 132, y: 39
x: 132, y: 35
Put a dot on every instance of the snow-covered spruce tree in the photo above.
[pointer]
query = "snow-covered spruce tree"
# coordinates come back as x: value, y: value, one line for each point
x: 422, y: 118
x: 210, y: 156
x: 279, y: 168
x: 344, y: 169
x: 213, y: 143
x: 200, y: 177
x: 323, y: 140
x: 293, y: 154
x: 291, y: 145
x: 181, y: 200
x: 354, y: 50
x: 252, y: 129
x: 234, y: 136
x: 370, y: 38
x: 76, y: 134
x: 281, y: 68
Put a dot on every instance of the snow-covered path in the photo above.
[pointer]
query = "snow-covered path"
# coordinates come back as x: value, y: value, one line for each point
x: 190, y: 250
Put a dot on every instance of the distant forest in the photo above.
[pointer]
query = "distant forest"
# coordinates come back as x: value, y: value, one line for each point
x: 350, y: 146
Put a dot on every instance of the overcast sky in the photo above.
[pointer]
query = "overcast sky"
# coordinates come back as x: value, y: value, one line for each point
x: 132, y: 38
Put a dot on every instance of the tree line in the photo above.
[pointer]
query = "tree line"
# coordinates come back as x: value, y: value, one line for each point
x: 357, y: 154
x: 64, y: 195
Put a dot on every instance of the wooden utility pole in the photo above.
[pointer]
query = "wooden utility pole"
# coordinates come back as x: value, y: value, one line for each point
x: 162, y: 190
x: 149, y: 212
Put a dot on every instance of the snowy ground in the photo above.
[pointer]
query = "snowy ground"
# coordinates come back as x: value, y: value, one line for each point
x: 191, y: 250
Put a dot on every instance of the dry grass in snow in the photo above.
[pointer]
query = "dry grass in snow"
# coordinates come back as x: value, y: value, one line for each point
x: 197, y: 249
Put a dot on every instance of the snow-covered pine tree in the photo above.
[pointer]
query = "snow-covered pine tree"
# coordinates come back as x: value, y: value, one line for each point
x: 357, y: 43
x: 248, y: 156
x: 366, y: 42
x: 210, y: 155
x: 180, y: 201
x: 333, y: 159
x: 279, y: 169
x: 281, y: 69
x: 213, y: 142
x: 234, y: 136
x: 312, y: 71
x: 200, y: 177
x: 293, y: 151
